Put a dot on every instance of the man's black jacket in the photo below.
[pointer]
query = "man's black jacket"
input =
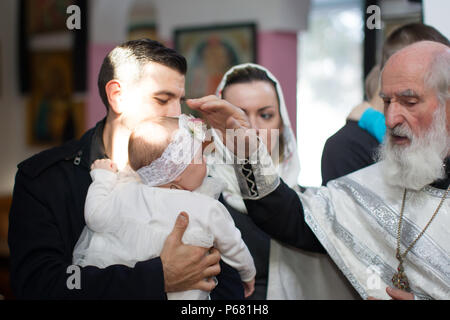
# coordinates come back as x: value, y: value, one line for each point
x: 46, y: 219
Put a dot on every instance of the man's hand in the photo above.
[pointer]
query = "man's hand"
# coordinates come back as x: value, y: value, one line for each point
x: 105, y: 164
x: 396, y: 294
x: 187, y: 267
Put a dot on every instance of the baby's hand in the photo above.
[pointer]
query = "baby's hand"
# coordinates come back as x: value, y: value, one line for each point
x: 249, y: 288
x: 105, y: 164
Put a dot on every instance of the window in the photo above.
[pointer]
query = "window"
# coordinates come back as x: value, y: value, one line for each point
x: 330, y: 72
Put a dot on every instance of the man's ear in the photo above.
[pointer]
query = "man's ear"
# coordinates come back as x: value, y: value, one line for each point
x: 114, y: 94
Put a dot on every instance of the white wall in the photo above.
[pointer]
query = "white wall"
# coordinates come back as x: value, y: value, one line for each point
x: 280, y: 15
x: 436, y: 14
x: 109, y: 18
x: 396, y: 8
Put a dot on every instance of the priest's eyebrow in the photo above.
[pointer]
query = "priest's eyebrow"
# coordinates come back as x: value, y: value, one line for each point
x: 408, y: 93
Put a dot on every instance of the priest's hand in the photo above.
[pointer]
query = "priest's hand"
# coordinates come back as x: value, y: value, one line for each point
x: 187, y: 267
x: 397, y: 294
x: 231, y: 123
x: 219, y: 113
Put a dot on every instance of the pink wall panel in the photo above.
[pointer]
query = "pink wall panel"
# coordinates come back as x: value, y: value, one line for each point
x: 277, y: 51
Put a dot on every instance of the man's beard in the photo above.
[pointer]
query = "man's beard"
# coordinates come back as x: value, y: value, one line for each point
x: 421, y: 162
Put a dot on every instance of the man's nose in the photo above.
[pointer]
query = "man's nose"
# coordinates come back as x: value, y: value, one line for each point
x: 393, y: 115
x: 174, y: 109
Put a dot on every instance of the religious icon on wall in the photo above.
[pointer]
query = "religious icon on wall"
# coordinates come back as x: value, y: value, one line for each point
x: 53, y: 115
x: 43, y: 26
x: 45, y: 16
x: 210, y: 52
x: 52, y: 70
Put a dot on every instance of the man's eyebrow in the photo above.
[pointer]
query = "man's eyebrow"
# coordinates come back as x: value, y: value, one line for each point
x: 164, y: 92
x: 169, y: 94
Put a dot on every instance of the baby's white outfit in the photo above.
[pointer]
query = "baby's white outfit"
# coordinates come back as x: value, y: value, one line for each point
x: 128, y: 221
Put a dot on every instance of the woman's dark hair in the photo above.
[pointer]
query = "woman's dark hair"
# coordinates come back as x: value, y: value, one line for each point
x: 246, y: 75
x: 251, y: 74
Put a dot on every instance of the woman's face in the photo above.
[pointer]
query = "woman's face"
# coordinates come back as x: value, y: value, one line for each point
x: 259, y: 101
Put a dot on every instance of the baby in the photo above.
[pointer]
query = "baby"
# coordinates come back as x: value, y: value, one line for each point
x: 130, y: 213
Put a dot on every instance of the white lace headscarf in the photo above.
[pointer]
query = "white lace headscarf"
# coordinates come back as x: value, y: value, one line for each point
x: 288, y: 168
x: 184, y: 145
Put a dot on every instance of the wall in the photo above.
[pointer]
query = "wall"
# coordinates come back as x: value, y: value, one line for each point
x: 278, y: 53
x: 280, y: 15
x: 12, y: 106
x: 278, y: 23
x: 436, y: 14
x: 396, y: 8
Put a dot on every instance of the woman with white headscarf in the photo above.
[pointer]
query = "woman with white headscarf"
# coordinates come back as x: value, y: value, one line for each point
x: 282, y: 272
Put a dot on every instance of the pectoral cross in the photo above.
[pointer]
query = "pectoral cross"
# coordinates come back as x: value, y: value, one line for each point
x: 399, y: 280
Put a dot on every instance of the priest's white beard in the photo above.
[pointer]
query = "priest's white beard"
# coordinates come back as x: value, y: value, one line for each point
x: 419, y: 163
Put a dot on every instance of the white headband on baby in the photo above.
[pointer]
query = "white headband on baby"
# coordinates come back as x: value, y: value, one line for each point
x: 178, y: 155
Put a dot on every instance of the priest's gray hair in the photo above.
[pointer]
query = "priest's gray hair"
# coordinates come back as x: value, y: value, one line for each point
x: 438, y: 76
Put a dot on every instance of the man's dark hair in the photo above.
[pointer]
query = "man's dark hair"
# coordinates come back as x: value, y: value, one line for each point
x: 409, y: 34
x: 141, y: 52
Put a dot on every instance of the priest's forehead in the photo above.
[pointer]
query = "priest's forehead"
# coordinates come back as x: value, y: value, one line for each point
x: 400, y: 81
x: 408, y: 68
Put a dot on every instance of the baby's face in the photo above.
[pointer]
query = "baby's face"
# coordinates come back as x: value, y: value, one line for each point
x: 193, y: 176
